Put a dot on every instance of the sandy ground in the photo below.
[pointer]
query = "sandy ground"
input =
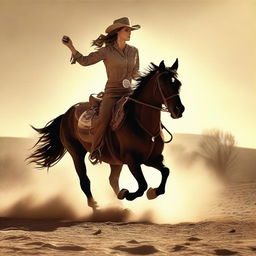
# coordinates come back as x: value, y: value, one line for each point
x: 55, y: 238
x: 203, y: 216
x: 230, y: 230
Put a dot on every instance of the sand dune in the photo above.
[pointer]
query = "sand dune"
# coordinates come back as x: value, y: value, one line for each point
x: 185, y: 148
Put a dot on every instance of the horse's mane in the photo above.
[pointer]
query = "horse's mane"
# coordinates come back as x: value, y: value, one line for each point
x: 147, y: 75
x: 143, y: 79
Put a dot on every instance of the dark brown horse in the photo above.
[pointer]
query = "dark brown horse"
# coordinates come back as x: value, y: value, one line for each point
x: 138, y: 141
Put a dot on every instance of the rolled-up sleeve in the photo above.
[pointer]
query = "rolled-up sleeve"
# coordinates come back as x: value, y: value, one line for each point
x: 135, y: 72
x: 90, y: 59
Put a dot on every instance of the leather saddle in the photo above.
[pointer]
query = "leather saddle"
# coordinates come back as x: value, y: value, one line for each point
x: 85, y: 120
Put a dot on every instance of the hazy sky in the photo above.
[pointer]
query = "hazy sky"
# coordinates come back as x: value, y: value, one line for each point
x: 214, y: 41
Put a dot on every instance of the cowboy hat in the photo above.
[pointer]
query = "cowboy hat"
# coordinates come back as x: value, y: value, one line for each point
x: 119, y: 23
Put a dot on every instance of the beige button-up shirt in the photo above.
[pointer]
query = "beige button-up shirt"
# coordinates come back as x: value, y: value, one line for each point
x: 120, y: 64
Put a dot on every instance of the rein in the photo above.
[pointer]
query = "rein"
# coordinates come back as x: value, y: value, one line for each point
x: 165, y: 109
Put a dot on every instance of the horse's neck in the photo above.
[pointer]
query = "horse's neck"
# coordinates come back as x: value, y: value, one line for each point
x: 148, y: 117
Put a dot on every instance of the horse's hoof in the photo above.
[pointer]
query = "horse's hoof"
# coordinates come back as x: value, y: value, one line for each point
x: 122, y: 193
x: 151, y: 193
x: 93, y: 204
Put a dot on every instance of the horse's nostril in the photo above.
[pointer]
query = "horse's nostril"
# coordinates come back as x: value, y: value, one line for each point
x: 177, y: 109
x: 180, y: 109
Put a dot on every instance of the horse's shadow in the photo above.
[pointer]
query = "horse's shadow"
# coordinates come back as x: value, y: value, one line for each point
x: 43, y: 225
x: 113, y: 214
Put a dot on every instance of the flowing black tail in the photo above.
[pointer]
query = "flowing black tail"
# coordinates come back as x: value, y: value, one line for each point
x: 49, y: 149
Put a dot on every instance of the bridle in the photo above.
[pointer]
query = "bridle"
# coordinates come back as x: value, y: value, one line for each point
x: 165, y: 99
x: 164, y: 109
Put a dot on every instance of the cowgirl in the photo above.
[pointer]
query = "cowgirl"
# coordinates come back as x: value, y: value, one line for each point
x: 122, y: 65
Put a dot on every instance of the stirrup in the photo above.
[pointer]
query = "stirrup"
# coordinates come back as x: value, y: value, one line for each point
x: 95, y: 156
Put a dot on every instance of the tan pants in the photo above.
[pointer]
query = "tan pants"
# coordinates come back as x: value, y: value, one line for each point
x: 102, y: 121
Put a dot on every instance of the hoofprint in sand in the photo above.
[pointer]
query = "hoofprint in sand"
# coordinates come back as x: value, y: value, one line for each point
x: 30, y: 237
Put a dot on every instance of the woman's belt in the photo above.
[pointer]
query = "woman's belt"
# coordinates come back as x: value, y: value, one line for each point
x: 126, y: 83
x: 117, y: 91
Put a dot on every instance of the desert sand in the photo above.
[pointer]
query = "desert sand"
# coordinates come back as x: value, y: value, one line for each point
x: 214, y: 215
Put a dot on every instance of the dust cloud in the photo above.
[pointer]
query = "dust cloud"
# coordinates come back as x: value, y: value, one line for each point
x: 192, y: 188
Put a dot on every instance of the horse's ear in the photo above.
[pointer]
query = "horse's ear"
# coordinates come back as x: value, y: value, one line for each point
x: 175, y: 65
x: 154, y: 65
x: 162, y: 66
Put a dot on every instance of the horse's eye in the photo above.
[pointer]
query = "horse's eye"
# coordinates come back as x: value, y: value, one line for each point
x: 172, y: 79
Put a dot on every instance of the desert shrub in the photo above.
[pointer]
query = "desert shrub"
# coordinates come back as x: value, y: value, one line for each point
x: 218, y: 150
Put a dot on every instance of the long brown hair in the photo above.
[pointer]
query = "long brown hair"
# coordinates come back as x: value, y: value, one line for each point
x: 108, y: 39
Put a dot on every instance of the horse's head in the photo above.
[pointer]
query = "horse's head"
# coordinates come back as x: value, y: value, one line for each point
x: 168, y: 87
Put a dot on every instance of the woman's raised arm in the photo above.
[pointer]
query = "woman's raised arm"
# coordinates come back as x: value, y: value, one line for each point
x: 76, y: 56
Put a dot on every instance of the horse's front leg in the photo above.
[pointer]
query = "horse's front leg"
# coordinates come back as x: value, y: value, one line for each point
x: 157, y: 163
x: 136, y: 171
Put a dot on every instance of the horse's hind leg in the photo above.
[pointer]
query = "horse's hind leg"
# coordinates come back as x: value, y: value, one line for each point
x: 114, y: 177
x: 158, y: 164
x: 78, y: 159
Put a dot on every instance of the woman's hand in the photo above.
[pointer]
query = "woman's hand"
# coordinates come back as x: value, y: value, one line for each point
x: 67, y: 41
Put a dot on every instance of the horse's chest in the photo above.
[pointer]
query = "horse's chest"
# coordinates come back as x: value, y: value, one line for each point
x: 145, y: 145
